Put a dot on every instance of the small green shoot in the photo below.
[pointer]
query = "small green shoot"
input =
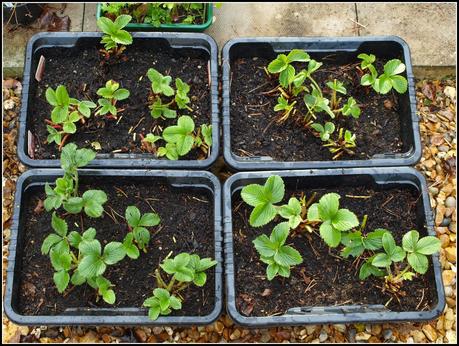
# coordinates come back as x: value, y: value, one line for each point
x: 113, y: 33
x: 137, y: 224
x: 111, y: 93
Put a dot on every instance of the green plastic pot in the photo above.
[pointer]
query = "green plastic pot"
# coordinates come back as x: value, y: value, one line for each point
x: 168, y: 27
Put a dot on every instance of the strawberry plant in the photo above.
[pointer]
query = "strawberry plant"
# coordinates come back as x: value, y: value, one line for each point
x: 114, y: 33
x: 137, y: 224
x: 282, y: 66
x: 283, y: 105
x: 66, y: 112
x: 389, y: 79
x: 315, y: 102
x: 181, y: 138
x: 262, y: 198
x: 185, y: 269
x: 351, y: 108
x: 333, y: 220
x: 160, y: 84
x: 111, y: 93
x: 344, y: 143
x: 279, y: 257
x: 66, y: 191
x: 87, y: 264
x: 181, y: 96
x: 324, y: 131
x: 161, y: 303
x: 336, y: 87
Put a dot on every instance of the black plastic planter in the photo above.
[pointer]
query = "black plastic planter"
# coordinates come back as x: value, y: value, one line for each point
x: 384, y: 177
x: 176, y: 41
x: 200, y: 180
x: 389, y: 47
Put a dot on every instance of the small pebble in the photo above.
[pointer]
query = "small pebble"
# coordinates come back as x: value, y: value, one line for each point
x: 443, y: 148
x: 323, y: 336
x: 450, y: 202
x: 433, y: 190
x: 387, y: 334
x: 446, y: 221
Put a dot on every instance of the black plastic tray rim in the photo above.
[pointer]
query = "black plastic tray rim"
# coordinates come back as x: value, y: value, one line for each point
x: 124, y: 318
x: 324, y: 316
x: 408, y: 158
x: 130, y: 160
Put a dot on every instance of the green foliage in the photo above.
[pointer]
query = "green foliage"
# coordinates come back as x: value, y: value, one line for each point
x: 111, y: 93
x: 351, y: 108
x: 137, y: 223
x: 316, y: 103
x: 389, y: 79
x: 291, y: 212
x: 65, y: 192
x: 181, y: 96
x: 355, y: 243
x: 66, y: 112
x: 417, y: 249
x: 206, y: 132
x: 112, y: 7
x: 324, y: 131
x: 283, y: 105
x: 161, y: 303
x: 158, y: 110
x: 334, y: 220
x: 113, y: 33
x: 336, y: 87
x: 181, y: 135
x: 262, y: 198
x: 282, y: 65
x: 279, y: 257
x: 160, y: 84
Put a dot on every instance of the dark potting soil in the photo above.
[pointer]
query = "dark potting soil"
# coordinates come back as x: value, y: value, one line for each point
x: 324, y: 278
x: 255, y: 132
x: 186, y: 226
x: 80, y: 70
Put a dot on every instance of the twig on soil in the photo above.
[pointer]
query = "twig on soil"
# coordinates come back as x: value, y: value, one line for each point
x: 200, y: 200
x: 245, y: 152
x: 114, y: 211
x: 258, y: 87
x: 268, y: 126
x: 363, y: 197
x: 118, y: 189
x: 111, y: 216
x: 133, y: 128
x: 258, y: 106
x: 387, y: 201
x: 422, y: 298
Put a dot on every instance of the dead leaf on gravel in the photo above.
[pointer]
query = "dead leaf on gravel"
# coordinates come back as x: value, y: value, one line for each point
x: 429, y: 91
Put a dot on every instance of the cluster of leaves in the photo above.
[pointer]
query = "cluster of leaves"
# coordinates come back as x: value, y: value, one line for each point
x: 160, y: 85
x: 389, y: 79
x: 137, y: 223
x: 343, y: 144
x: 337, y: 226
x: 158, y: 13
x: 275, y: 254
x: 182, y: 138
x: 114, y: 33
x: 87, y: 262
x: 292, y: 84
x: 66, y: 112
x: 184, y: 269
x: 65, y: 193
x: 111, y: 93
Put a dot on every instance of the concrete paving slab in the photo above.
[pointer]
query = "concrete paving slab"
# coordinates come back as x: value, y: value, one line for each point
x: 89, y: 23
x: 282, y: 19
x: 429, y: 29
x: 15, y: 41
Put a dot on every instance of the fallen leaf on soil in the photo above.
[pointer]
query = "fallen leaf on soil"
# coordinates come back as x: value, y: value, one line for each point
x: 267, y: 292
x: 245, y: 304
x: 39, y: 207
x: 388, y: 104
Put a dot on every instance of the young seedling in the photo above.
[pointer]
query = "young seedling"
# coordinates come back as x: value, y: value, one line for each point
x: 140, y: 234
x: 262, y: 198
x: 66, y: 191
x: 88, y: 265
x: 111, y: 93
x: 351, y: 108
x: 160, y: 110
x: 336, y: 87
x: 114, y: 35
x: 283, y: 105
x: 181, y: 138
x: 282, y: 65
x: 355, y: 243
x: 161, y: 303
x: 181, y: 95
x: 324, y: 131
x: 160, y: 84
x: 292, y: 212
x: 389, y: 79
x: 333, y: 220
x: 316, y: 103
x: 66, y: 112
x: 185, y: 270
x: 279, y: 257
x: 344, y: 144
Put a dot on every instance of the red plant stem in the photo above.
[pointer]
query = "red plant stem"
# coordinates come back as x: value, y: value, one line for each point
x: 63, y: 141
